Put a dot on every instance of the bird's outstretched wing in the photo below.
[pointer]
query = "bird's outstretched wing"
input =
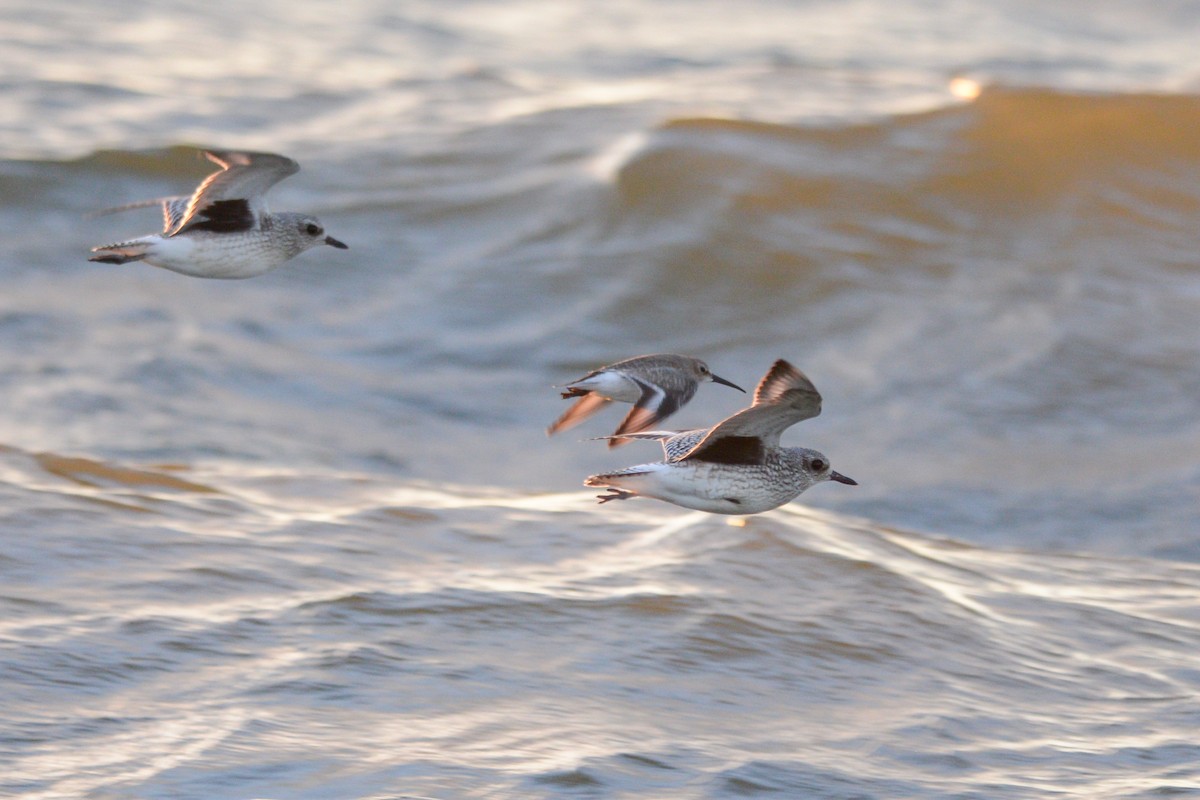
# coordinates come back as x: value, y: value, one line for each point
x: 675, y: 444
x: 587, y: 405
x: 232, y: 199
x: 784, y: 397
x: 173, y: 209
x: 653, y: 406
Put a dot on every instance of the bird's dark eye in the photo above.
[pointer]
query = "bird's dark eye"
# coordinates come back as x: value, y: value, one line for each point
x: 818, y: 464
x: 313, y: 230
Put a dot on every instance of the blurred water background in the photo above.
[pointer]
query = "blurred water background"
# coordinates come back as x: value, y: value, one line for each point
x: 303, y: 536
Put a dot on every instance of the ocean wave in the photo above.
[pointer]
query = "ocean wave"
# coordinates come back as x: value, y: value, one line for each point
x: 1009, y: 153
x: 567, y: 643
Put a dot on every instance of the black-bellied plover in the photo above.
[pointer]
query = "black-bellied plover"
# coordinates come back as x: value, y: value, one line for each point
x: 224, y: 229
x: 658, y: 386
x: 737, y: 466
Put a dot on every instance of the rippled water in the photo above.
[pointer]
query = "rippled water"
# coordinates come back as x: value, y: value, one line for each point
x: 303, y: 536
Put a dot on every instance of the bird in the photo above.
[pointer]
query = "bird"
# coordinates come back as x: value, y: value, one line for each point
x: 738, y: 465
x: 657, y: 385
x: 223, y: 230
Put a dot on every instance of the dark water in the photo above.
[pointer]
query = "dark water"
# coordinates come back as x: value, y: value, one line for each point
x: 303, y: 536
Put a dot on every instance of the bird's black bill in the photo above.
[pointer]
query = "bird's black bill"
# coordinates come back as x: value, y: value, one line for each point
x: 722, y: 381
x: 332, y: 242
x: 840, y: 478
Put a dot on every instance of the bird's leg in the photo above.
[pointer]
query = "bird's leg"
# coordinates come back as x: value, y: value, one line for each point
x: 615, y: 494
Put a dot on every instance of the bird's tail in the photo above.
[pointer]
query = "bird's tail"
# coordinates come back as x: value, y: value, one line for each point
x: 121, y: 252
x: 620, y: 484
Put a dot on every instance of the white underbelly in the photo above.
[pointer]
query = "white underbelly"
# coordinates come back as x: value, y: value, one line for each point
x: 230, y: 257
x: 612, y: 385
x: 717, y: 488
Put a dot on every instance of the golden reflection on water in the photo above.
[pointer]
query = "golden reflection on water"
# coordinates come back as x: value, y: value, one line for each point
x: 965, y: 88
x: 89, y: 472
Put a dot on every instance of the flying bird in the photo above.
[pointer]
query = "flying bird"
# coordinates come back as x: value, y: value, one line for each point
x: 224, y: 230
x: 657, y: 385
x: 738, y: 465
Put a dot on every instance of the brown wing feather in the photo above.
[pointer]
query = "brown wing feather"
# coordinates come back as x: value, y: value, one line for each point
x: 652, y: 407
x: 243, y: 176
x: 583, y: 408
x: 780, y: 378
x: 784, y: 397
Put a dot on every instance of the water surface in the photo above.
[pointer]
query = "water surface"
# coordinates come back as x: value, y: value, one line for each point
x: 304, y: 537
